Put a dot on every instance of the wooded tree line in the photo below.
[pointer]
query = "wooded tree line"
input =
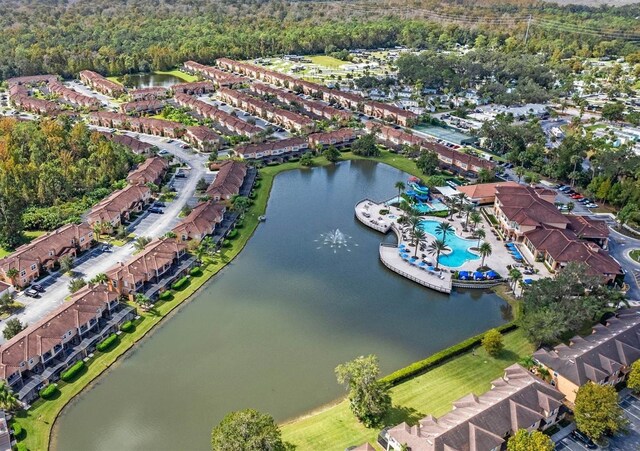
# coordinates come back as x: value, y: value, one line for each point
x: 132, y: 36
x: 52, y: 163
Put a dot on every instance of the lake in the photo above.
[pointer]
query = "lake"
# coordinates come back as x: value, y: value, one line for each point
x: 268, y: 331
x: 147, y: 80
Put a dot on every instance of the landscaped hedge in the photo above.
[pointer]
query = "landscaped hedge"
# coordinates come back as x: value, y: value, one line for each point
x: 17, y: 428
x: 48, y: 391
x: 166, y: 296
x: 196, y: 272
x: 128, y: 326
x: 256, y: 184
x: 239, y: 224
x: 20, y: 446
x: 439, y: 214
x: 232, y: 234
x: 107, y: 343
x: 72, y: 371
x: 226, y: 243
x: 180, y: 284
x: 439, y: 358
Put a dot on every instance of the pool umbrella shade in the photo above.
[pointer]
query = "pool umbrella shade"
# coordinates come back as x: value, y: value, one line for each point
x: 478, y: 275
x: 421, y: 264
x: 528, y: 281
x: 492, y: 275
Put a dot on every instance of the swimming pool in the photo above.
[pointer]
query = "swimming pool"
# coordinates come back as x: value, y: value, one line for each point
x: 459, y: 254
x: 433, y: 205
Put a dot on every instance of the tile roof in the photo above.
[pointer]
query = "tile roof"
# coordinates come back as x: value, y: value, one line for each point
x: 483, y: 190
x: 118, y: 202
x: 229, y: 179
x: 524, y: 205
x: 150, y: 171
x: 594, y: 357
x: 202, y: 219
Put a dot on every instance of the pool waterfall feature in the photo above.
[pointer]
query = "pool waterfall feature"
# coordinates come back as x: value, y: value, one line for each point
x: 268, y: 331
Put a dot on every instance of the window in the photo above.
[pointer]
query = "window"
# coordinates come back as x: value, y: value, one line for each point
x: 33, y: 267
x: 23, y: 273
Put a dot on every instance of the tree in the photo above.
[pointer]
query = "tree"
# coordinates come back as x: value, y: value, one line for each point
x: 436, y: 248
x: 368, y: 397
x: 141, y: 242
x: 443, y: 229
x: 306, y: 160
x: 475, y: 217
x: 633, y: 380
x: 66, y: 263
x: 468, y: 209
x: 613, y: 111
x: 400, y: 186
x: 12, y: 274
x: 597, y: 411
x: 8, y: 401
x: 480, y: 234
x: 142, y: 300
x: 241, y: 204
x: 524, y: 440
x: 202, y: 185
x: 492, y: 342
x: 6, y: 301
x: 520, y: 171
x: 484, y: 250
x: 366, y: 146
x: 485, y: 175
x: 12, y: 327
x: 514, y: 275
x: 75, y: 284
x: 418, y: 237
x: 99, y: 278
x: 247, y: 430
x: 428, y: 162
x: 331, y: 154
x: 570, y: 206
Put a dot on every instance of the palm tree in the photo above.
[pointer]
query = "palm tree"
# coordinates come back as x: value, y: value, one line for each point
x: 468, y: 209
x: 99, y: 278
x: 400, y: 187
x: 12, y: 274
x: 520, y: 171
x: 450, y: 203
x: 484, y: 250
x: 241, y: 204
x: 575, y: 159
x: 141, y: 242
x: 435, y: 248
x: 461, y: 198
x: 476, y: 218
x: 414, y: 221
x: 442, y: 229
x: 480, y: 234
x: 418, y: 239
x: 8, y: 401
x: 514, y: 275
x: 570, y: 206
x: 142, y: 299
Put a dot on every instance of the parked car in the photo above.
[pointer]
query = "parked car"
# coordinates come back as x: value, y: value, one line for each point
x: 156, y: 210
x: 159, y: 204
x: 31, y: 293
x: 592, y: 205
x: 583, y: 439
x: 163, y: 152
x: 39, y: 288
x: 181, y: 175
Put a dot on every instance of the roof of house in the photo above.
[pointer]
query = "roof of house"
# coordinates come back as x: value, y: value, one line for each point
x: 585, y: 227
x: 229, y: 179
x: 42, y: 336
x: 203, y: 134
x: 482, y: 190
x: 118, y: 202
x: 336, y: 135
x: 596, y: 356
x: 515, y: 401
x: 246, y: 149
x: 201, y: 219
x: 150, y: 171
x: 523, y: 204
x: 134, y: 144
x: 101, y: 81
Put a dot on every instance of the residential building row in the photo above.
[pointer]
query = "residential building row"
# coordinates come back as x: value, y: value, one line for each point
x: 101, y: 84
x: 150, y: 93
x: 203, y: 138
x: 225, y: 119
x: 135, y: 145
x: 72, y: 96
x: 31, y: 80
x: 20, y: 97
x: 221, y: 78
x: 30, y: 261
x: 295, y: 146
x: 40, y: 353
x: 258, y: 107
x: 347, y: 100
x: 119, y: 206
x: 310, y: 106
x: 194, y: 88
x: 138, y: 107
x: 152, y: 170
x: 528, y: 215
x: 449, y: 158
x: 230, y: 177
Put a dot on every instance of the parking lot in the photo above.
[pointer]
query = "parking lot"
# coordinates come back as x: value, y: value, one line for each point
x: 622, y: 442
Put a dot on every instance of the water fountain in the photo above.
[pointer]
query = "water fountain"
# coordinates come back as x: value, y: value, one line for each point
x: 335, y: 240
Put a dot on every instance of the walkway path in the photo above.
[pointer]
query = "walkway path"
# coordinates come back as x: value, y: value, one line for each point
x: 97, y: 261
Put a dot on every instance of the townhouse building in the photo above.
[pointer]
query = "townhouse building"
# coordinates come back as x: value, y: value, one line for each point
x: 603, y: 357
x: 150, y: 93
x: 284, y: 148
x: 230, y: 177
x: 518, y: 400
x: 201, y: 222
x: 338, y: 138
x: 152, y: 170
x: 31, y: 80
x: 20, y: 97
x: 228, y: 121
x: 194, y: 88
x: 151, y: 126
x: 221, y: 78
x: 118, y: 207
x: 203, y: 138
x: 101, y: 84
x: 147, y: 272
x: 38, y: 355
x: 31, y: 260
x: 72, y: 96
x: 138, y: 107
x: 135, y: 145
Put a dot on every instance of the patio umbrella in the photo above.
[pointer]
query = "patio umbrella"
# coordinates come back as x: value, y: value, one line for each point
x: 464, y: 273
x: 422, y: 264
x: 528, y: 281
x: 430, y: 268
x: 478, y: 275
x: 492, y: 274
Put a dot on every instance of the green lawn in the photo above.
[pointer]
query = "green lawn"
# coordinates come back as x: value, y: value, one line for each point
x: 29, y: 236
x: 431, y: 393
x: 179, y: 74
x: 327, y: 61
x: 635, y: 254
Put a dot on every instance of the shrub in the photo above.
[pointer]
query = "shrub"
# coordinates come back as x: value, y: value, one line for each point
x: 492, y: 342
x: 196, y: 272
x: 180, y: 284
x: 232, y: 234
x: 439, y: 358
x: 20, y: 446
x: 48, y: 391
x: 239, y: 224
x: 128, y: 326
x: 107, y: 343
x: 166, y: 296
x: 72, y: 371
x: 226, y: 243
x: 256, y: 184
x: 17, y: 428
x: 384, y: 211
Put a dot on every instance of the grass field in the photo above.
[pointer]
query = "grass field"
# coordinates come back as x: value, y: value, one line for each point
x: 327, y: 61
x: 29, y: 236
x: 178, y: 74
x: 431, y: 393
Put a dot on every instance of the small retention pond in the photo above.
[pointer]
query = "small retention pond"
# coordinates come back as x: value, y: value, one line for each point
x: 268, y: 331
x: 147, y: 80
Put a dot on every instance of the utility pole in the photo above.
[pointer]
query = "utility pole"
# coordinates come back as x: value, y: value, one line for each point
x: 526, y: 35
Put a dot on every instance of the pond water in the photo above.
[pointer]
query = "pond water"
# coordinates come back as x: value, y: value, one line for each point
x: 268, y: 331
x: 147, y: 80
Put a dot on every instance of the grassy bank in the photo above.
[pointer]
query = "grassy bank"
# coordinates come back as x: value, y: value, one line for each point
x: 433, y: 393
x: 178, y: 74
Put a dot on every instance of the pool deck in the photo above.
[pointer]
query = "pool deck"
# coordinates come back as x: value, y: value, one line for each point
x: 368, y: 213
